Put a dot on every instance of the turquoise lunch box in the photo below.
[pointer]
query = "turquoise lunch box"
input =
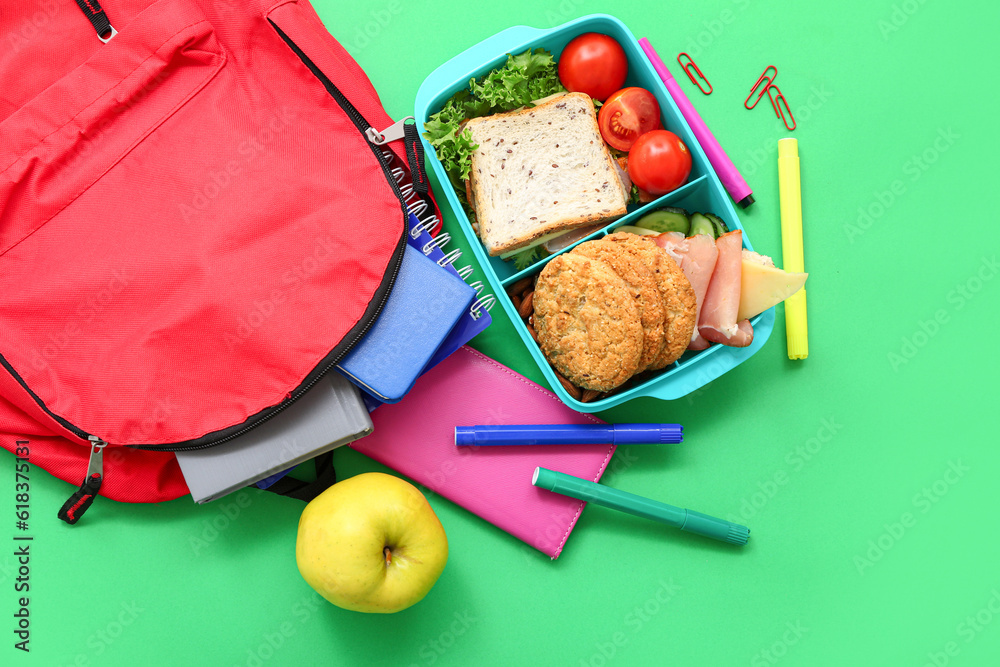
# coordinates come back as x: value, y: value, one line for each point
x: 702, y: 193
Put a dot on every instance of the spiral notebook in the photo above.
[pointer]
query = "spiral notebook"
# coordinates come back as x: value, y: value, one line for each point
x: 425, y: 304
x: 418, y: 206
x: 390, y: 357
x: 425, y: 235
x: 416, y: 437
x: 423, y: 222
x: 478, y: 317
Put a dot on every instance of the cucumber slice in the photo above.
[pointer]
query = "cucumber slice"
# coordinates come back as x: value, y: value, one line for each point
x: 701, y: 225
x: 674, y: 209
x: 640, y: 231
x: 717, y: 222
x: 666, y: 220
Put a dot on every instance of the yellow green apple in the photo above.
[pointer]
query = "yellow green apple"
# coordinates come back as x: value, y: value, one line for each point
x: 371, y: 543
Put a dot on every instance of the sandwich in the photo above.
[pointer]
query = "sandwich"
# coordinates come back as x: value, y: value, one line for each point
x: 541, y: 171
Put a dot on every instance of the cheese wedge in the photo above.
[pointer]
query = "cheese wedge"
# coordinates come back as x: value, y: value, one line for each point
x: 764, y: 286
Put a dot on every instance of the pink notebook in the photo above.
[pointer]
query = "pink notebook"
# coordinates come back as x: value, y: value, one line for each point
x: 416, y: 437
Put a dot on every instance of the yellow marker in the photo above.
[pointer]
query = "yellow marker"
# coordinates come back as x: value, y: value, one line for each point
x: 789, y: 188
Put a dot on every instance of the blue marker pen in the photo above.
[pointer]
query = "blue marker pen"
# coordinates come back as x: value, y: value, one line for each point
x: 569, y: 434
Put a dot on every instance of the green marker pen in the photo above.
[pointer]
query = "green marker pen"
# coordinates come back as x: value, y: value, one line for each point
x: 686, y: 520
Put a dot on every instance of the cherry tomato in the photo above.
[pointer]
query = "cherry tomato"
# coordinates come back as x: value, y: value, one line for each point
x: 594, y: 64
x: 659, y: 162
x: 628, y: 114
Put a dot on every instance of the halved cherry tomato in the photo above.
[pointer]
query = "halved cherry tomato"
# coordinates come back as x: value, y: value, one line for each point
x: 593, y: 63
x: 659, y: 162
x: 627, y: 115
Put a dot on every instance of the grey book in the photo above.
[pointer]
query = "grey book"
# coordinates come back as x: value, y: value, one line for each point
x: 329, y: 415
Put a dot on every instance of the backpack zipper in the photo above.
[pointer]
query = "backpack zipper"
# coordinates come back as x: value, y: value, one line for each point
x: 394, y: 132
x: 367, y: 130
x: 81, y: 500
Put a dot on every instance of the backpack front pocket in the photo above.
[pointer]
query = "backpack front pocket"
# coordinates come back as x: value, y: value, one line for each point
x: 62, y: 141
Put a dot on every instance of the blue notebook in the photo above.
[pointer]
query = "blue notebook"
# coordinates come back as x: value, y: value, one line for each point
x: 477, y: 318
x: 423, y: 307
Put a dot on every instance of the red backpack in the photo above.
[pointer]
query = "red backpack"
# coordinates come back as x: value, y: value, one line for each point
x: 198, y: 218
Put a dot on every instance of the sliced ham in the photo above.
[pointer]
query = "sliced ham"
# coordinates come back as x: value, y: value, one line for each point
x: 571, y: 237
x: 621, y: 166
x: 744, y: 337
x: 699, y: 343
x: 717, y: 321
x: 675, y: 244
x: 699, y: 265
x: 696, y: 256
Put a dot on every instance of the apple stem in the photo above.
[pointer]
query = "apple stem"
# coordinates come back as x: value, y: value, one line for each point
x: 388, y: 555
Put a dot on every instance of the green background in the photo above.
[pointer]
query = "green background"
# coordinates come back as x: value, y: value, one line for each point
x: 823, y: 459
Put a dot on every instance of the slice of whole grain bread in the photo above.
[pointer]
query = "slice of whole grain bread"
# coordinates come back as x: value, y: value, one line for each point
x: 540, y: 170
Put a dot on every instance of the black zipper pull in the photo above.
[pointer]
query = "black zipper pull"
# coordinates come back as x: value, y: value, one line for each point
x: 73, y: 509
x: 415, y: 156
x: 401, y: 129
x: 95, y: 14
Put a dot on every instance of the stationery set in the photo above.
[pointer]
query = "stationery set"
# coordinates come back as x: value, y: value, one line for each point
x: 462, y: 425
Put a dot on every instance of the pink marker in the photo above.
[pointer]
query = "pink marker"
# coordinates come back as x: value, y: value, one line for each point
x: 724, y: 167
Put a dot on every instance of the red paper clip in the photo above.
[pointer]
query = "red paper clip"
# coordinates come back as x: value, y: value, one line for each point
x: 775, y: 100
x: 690, y: 64
x: 757, y: 85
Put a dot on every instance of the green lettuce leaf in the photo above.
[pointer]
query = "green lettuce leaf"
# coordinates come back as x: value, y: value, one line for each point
x: 524, y: 77
x: 633, y: 197
x: 529, y: 256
